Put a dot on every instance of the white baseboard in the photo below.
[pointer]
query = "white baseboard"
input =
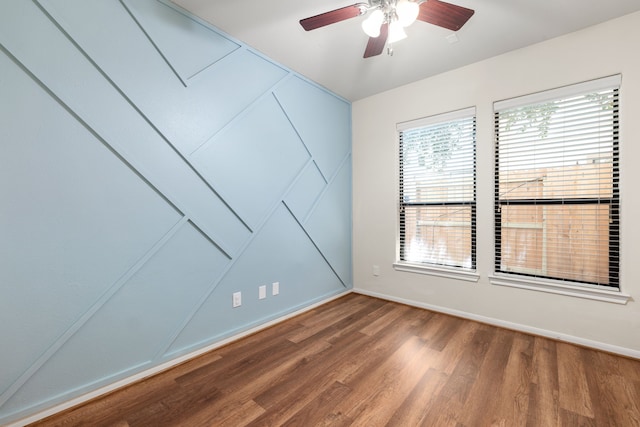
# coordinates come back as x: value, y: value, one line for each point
x: 609, y: 348
x: 164, y: 366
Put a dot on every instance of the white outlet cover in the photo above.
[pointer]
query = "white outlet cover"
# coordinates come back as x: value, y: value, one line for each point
x: 275, y: 288
x: 262, y: 292
x: 376, y: 270
x: 237, y: 299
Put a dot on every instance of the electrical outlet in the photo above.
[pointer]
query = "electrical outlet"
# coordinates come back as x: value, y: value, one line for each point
x: 275, y: 288
x: 376, y: 270
x: 237, y: 299
x: 262, y: 292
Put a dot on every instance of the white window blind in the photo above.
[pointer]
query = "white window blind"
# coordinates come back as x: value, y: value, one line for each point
x: 556, y: 184
x: 437, y: 190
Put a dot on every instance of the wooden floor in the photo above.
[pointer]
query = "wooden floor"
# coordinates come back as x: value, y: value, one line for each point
x: 361, y: 361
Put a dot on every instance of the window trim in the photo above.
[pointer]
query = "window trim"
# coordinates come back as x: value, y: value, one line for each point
x: 592, y: 292
x: 458, y: 273
x: 462, y: 273
x: 567, y: 287
x: 561, y: 92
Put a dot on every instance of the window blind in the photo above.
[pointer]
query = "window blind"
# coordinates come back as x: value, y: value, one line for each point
x: 557, y: 199
x: 438, y: 190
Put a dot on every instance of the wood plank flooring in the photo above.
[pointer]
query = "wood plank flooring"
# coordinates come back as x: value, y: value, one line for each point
x: 362, y: 361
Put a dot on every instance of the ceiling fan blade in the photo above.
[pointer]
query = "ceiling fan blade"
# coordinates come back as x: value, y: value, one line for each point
x: 333, y: 16
x: 444, y: 14
x: 375, y: 46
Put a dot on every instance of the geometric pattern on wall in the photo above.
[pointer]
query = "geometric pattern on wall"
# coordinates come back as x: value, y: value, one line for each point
x: 289, y: 258
x: 143, y: 80
x: 305, y: 192
x: 330, y: 223
x: 304, y: 103
x: 120, y: 334
x: 151, y: 166
x: 185, y: 116
x: 245, y: 162
x: 66, y: 202
x: 206, y: 47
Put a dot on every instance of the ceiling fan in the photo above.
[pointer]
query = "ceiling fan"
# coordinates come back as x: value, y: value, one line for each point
x: 388, y: 17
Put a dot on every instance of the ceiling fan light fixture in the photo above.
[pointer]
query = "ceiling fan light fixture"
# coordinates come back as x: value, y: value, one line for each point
x: 407, y: 12
x: 371, y: 25
x: 396, y: 32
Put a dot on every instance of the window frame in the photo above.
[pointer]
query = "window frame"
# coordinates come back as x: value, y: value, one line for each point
x: 540, y: 282
x: 435, y: 269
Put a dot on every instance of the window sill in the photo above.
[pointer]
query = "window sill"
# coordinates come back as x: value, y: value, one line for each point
x: 432, y: 270
x: 580, y: 291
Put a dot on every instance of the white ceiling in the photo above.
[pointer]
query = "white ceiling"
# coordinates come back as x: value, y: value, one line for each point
x: 332, y: 55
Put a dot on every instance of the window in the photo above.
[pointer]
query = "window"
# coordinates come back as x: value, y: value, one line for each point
x: 556, y: 185
x: 437, y: 190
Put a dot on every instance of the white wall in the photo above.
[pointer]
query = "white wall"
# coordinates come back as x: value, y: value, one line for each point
x: 599, y: 51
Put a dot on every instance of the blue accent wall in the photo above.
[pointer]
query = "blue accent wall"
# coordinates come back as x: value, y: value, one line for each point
x: 150, y: 166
